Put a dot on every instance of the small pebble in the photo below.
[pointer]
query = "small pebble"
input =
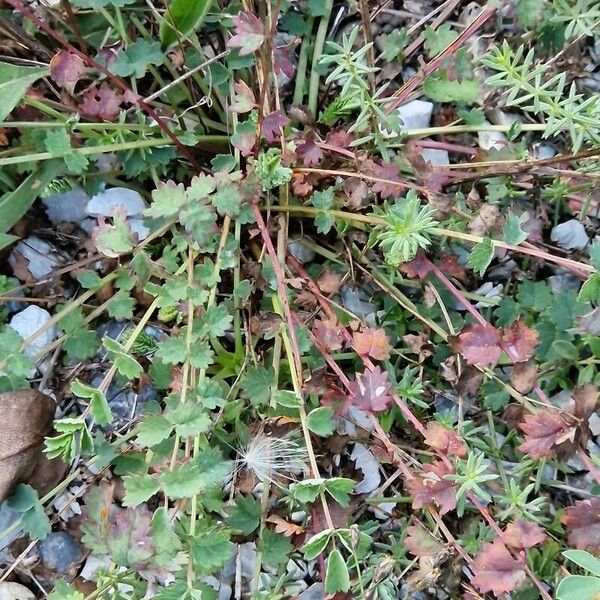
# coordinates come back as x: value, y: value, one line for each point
x: 138, y: 228
x: 302, y: 253
x: 415, y: 114
x: 27, y: 322
x: 8, y: 516
x: 60, y: 552
x: 68, y: 206
x: 570, y: 235
x: 103, y: 204
x: 594, y: 424
x: 314, y: 592
x: 436, y: 157
x: 42, y: 257
x: 491, y: 139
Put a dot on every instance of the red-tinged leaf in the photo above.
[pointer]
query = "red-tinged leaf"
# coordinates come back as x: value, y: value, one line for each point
x: 389, y: 172
x: 340, y: 138
x: 249, y: 33
x: 478, y: 344
x: 328, y: 334
x: 283, y: 63
x: 519, y: 341
x: 371, y: 390
x: 420, y: 542
x: 520, y: 535
x: 418, y: 268
x: 449, y: 266
x: 430, y: 487
x: 309, y: 152
x: 543, y: 431
x: 66, y: 69
x: 373, y: 343
x: 329, y: 281
x: 300, y: 185
x: 272, y: 124
x: 496, y: 570
x: 243, y: 100
x: 244, y: 138
x: 443, y: 439
x: 583, y: 525
x: 103, y: 103
x: 337, y: 399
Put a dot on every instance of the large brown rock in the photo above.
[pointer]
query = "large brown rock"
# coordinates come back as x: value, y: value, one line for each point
x: 26, y: 417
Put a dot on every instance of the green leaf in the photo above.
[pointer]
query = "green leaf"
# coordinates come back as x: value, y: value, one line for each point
x: 565, y: 349
x: 590, y: 290
x: 584, y: 559
x: 64, y: 591
x: 227, y: 200
x: 201, y: 355
x: 210, y: 549
x: 320, y: 421
x: 257, y: 383
x: 167, y: 200
x: 116, y: 239
x: 34, y: 521
x: 183, y: 482
x: 316, y: 544
x: 14, y: 204
x: 164, y: 538
x: 439, y: 88
x: 172, y: 350
x: 81, y: 344
x: 339, y: 488
x: 578, y: 587
x: 481, y: 256
x: 438, y: 39
x: 594, y: 249
x: 99, y: 408
x: 337, y: 578
x: 7, y: 239
x: 125, y: 364
x: 182, y: 18
x: 14, y: 83
x: 275, y: 547
x: 287, y: 399
x: 534, y: 295
x: 513, y: 234
x: 120, y: 306
x: 244, y: 516
x: 134, y: 59
x: 154, y: 429
x: 139, y: 488
x: 216, y: 321
x: 57, y: 142
x: 189, y: 420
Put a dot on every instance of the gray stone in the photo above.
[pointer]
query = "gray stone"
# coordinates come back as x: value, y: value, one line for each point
x: 570, y: 235
x: 68, y: 206
x: 366, y: 462
x: 103, y: 204
x: 415, y: 114
x: 27, y: 322
x: 247, y: 559
x: 60, y: 552
x: 314, y: 592
x: 436, y: 157
x: 8, y: 517
x: 138, y: 228
x: 42, y: 257
x: 594, y: 424
x: 491, y: 139
x: 355, y: 301
x: 300, y: 251
x: 563, y: 281
x: 544, y: 151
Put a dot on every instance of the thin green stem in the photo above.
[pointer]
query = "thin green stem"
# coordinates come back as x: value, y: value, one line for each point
x: 302, y: 64
x: 313, y: 90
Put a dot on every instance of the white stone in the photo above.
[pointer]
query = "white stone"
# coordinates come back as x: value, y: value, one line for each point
x: 42, y: 257
x: 570, y: 235
x: 138, y: 228
x: 366, y: 462
x: 594, y: 424
x: 68, y: 206
x: 103, y: 204
x: 544, y: 151
x: 415, y: 114
x: 491, y: 139
x: 94, y: 564
x: 314, y: 592
x: 436, y: 157
x: 27, y: 322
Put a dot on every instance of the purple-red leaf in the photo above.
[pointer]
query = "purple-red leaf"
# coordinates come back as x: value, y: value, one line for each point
x: 272, y: 124
x: 103, y: 102
x: 430, y: 487
x: 583, y: 525
x: 309, y: 152
x: 520, y: 535
x: 421, y: 543
x: 66, y: 69
x: 496, y: 570
x: 243, y: 100
x: 543, y: 431
x: 478, y: 344
x: 519, y: 341
x: 371, y: 390
x: 443, y: 439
